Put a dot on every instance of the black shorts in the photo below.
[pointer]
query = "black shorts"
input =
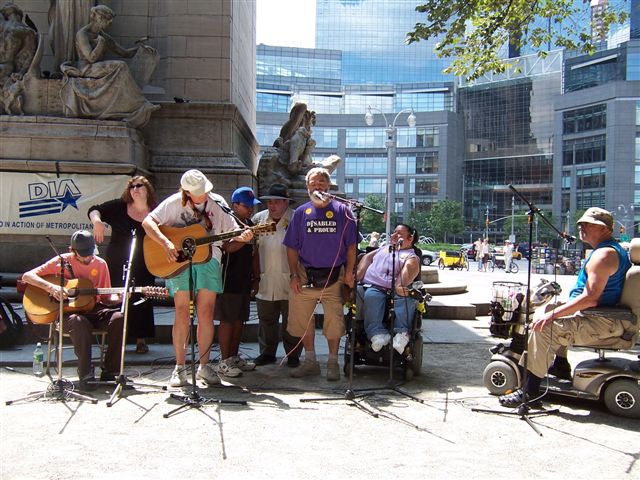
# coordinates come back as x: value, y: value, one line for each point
x: 233, y: 307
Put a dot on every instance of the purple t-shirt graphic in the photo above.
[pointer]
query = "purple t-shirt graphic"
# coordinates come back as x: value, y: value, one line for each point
x: 321, y: 236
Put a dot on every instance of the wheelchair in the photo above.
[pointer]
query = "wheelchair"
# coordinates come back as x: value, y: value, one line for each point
x: 411, y: 359
x: 615, y: 381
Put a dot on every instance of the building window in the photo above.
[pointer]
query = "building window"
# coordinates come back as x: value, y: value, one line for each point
x: 267, y: 134
x: 365, y: 165
x: 566, y: 179
x: 272, y: 102
x: 589, y: 198
x: 365, y: 138
x: 590, y: 177
x: 584, y: 119
x: 426, y: 187
x: 427, y: 162
x: 325, y: 137
x: 427, y: 137
x: 584, y: 150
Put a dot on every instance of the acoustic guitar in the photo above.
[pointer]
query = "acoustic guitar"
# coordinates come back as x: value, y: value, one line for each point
x: 42, y: 308
x: 193, y: 239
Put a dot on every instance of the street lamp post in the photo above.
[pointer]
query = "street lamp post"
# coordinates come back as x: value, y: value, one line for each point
x: 512, y: 237
x: 486, y: 223
x: 391, y: 143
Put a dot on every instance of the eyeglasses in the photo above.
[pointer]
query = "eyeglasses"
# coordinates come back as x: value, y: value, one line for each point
x: 136, y: 185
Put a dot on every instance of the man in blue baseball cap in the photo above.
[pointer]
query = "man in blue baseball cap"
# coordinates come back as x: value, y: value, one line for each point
x: 244, y: 196
x: 239, y: 263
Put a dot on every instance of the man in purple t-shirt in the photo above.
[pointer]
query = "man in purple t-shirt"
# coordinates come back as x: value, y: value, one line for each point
x: 321, y: 246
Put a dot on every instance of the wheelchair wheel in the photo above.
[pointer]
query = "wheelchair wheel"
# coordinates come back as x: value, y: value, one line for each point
x: 499, y: 378
x: 514, y: 268
x: 622, y: 398
x: 441, y: 264
x: 416, y: 361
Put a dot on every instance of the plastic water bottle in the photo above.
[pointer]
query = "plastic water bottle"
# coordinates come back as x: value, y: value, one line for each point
x: 38, y: 361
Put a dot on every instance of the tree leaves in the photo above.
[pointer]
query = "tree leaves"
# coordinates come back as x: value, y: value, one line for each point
x: 473, y: 32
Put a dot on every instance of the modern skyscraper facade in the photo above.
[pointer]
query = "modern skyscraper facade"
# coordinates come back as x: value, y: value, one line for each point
x: 470, y: 140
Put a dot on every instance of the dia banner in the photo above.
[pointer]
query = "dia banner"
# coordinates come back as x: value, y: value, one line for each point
x: 48, y: 204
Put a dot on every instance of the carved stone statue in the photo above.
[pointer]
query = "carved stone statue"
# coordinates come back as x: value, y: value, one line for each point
x: 103, y: 89
x: 291, y: 156
x: 18, y: 43
x: 66, y: 17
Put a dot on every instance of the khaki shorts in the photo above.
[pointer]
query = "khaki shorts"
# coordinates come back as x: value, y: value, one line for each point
x: 303, y: 305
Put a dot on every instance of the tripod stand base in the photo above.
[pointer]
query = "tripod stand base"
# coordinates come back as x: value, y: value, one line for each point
x: 523, y: 412
x: 123, y: 383
x: 349, y: 396
x: 58, y: 390
x: 195, y: 400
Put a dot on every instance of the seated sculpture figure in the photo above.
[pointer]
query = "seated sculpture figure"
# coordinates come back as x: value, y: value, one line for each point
x: 291, y: 157
x: 103, y: 89
x: 17, y: 52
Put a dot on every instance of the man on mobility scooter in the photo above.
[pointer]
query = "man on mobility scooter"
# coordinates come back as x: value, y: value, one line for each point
x: 377, y: 270
x: 599, y: 283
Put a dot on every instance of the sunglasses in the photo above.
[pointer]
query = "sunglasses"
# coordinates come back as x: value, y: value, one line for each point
x: 136, y: 185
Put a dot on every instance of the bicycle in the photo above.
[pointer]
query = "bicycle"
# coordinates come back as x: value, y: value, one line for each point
x: 498, y: 261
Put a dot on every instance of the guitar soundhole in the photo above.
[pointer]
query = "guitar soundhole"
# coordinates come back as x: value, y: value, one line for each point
x: 188, y: 249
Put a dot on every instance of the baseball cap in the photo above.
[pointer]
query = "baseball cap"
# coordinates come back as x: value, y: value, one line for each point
x: 597, y: 216
x: 195, y: 182
x: 245, y: 196
x: 83, y: 243
x: 277, y: 191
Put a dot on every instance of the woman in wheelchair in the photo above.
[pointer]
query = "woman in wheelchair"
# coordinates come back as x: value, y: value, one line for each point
x: 377, y: 270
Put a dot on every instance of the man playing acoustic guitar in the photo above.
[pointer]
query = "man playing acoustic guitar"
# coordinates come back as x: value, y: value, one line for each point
x: 193, y: 204
x: 81, y: 263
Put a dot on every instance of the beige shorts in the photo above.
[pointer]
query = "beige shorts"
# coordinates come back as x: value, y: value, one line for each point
x: 303, y: 305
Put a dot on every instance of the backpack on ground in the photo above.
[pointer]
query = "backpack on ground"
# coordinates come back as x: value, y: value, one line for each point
x: 11, y: 325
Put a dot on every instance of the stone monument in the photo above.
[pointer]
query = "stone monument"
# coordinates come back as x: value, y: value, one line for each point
x: 290, y: 158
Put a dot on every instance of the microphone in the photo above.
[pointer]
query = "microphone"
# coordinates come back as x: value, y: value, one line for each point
x: 400, y: 242
x: 569, y: 238
x: 322, y: 196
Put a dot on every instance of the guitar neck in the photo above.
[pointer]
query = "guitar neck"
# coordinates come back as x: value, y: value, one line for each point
x: 105, y: 291
x: 217, y: 238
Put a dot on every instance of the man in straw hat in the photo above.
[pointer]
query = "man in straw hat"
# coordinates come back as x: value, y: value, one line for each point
x: 599, y: 283
x: 193, y: 203
x: 272, y: 299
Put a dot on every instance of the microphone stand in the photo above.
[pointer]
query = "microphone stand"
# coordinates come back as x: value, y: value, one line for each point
x: 122, y: 382
x: 60, y: 389
x: 523, y: 410
x: 194, y: 399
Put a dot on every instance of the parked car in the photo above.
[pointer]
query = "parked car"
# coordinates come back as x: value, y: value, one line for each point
x: 470, y: 250
x: 499, y: 250
x: 428, y: 257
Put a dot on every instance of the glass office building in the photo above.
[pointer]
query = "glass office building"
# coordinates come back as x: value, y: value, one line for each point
x: 545, y: 127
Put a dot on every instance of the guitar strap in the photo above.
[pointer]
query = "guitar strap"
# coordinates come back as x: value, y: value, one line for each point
x: 201, y: 214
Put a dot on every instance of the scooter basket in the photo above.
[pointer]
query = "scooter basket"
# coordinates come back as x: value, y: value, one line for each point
x: 507, y: 299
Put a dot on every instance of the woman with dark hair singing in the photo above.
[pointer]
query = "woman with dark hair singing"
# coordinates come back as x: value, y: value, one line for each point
x: 123, y: 215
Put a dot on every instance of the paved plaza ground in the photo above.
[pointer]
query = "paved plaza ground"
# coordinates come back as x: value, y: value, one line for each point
x: 276, y: 435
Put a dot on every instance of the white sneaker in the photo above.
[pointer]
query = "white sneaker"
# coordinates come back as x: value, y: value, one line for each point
x: 178, y: 377
x: 207, y: 374
x: 242, y: 364
x: 400, y: 341
x: 226, y: 368
x: 379, y: 341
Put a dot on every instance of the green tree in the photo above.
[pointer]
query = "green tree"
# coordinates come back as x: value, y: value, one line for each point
x: 371, y: 221
x: 419, y: 220
x: 444, y: 218
x: 472, y: 32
